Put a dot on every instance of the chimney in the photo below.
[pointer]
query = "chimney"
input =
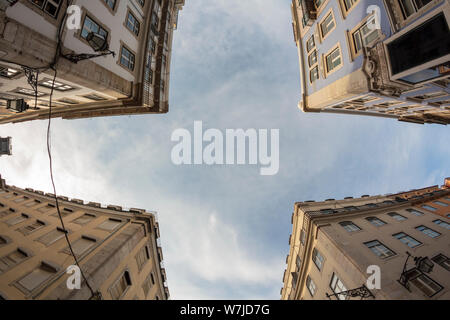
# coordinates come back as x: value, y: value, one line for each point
x: 447, y: 183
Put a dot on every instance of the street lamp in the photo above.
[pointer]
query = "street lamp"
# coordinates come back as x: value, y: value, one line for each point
x: 423, y: 264
x: 98, y: 43
x: 363, y: 292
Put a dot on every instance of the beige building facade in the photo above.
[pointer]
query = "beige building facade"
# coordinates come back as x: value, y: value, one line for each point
x: 118, y: 250
x: 134, y: 81
x: 333, y: 243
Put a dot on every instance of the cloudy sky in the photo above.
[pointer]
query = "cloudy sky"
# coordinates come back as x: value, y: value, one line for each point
x: 225, y: 229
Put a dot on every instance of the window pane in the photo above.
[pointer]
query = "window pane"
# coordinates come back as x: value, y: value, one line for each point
x: 37, y: 277
x: 51, y: 237
x: 110, y: 225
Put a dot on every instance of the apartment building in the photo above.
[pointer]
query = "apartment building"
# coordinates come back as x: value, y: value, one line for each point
x: 133, y: 80
x: 5, y: 146
x: 118, y: 250
x: 335, y: 243
x: 388, y: 58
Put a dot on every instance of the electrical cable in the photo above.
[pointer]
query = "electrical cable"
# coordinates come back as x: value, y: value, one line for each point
x: 54, y: 187
x: 49, y: 151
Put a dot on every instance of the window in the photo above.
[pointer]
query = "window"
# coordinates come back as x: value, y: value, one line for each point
x: 427, y: 42
x: 440, y: 203
x: 29, y: 92
x: 68, y: 101
x: 429, y: 232
x: 51, y: 7
x: 20, y: 200
x: 89, y: 25
x: 318, y: 3
x: 312, y: 58
x: 424, y: 283
x: 84, y: 219
x: 17, y: 220
x: 365, y: 35
x: 111, y: 4
x: 94, y: 97
x: 142, y: 257
x: 37, y: 277
x: 348, y: 4
x: 311, y: 286
x: 132, y: 23
x: 51, y: 237
x: 310, y: 44
x: 110, y: 224
x: 142, y: 3
x: 3, y: 241
x: 410, y: 7
x: 11, y: 260
x: 397, y: 216
x: 44, y: 209
x: 147, y: 285
x: 314, y: 74
x: 317, y: 258
x: 127, y: 58
x: 32, y: 203
x: 415, y: 212
x: 327, y: 25
x: 302, y: 237
x: 375, y: 221
x: 406, y: 239
x: 56, y: 85
x: 7, y: 72
x: 443, y: 224
x: 443, y: 261
x: 380, y: 249
x: 64, y: 213
x: 81, y: 246
x: 337, y: 286
x: 120, y: 286
x: 26, y: 230
x: 430, y: 208
x: 333, y: 60
x: 6, y: 213
x: 349, y: 226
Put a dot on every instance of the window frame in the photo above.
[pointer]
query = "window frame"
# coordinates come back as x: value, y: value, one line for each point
x: 429, y: 231
x: 366, y: 244
x: 46, y: 264
x: 317, y: 255
x: 373, y: 218
x: 330, y: 31
x: 354, y: 53
x: 327, y: 73
x: 137, y: 21
x: 407, y: 236
x: 123, y: 47
x: 310, y: 283
x: 338, y: 279
x: 116, y: 282
x: 347, y: 223
x: 346, y: 11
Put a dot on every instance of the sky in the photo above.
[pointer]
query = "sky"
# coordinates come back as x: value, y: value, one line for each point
x: 225, y: 229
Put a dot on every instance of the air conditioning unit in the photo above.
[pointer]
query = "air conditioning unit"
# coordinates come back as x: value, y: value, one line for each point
x: 18, y: 105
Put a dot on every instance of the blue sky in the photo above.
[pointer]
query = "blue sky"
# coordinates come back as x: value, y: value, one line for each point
x: 225, y: 229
